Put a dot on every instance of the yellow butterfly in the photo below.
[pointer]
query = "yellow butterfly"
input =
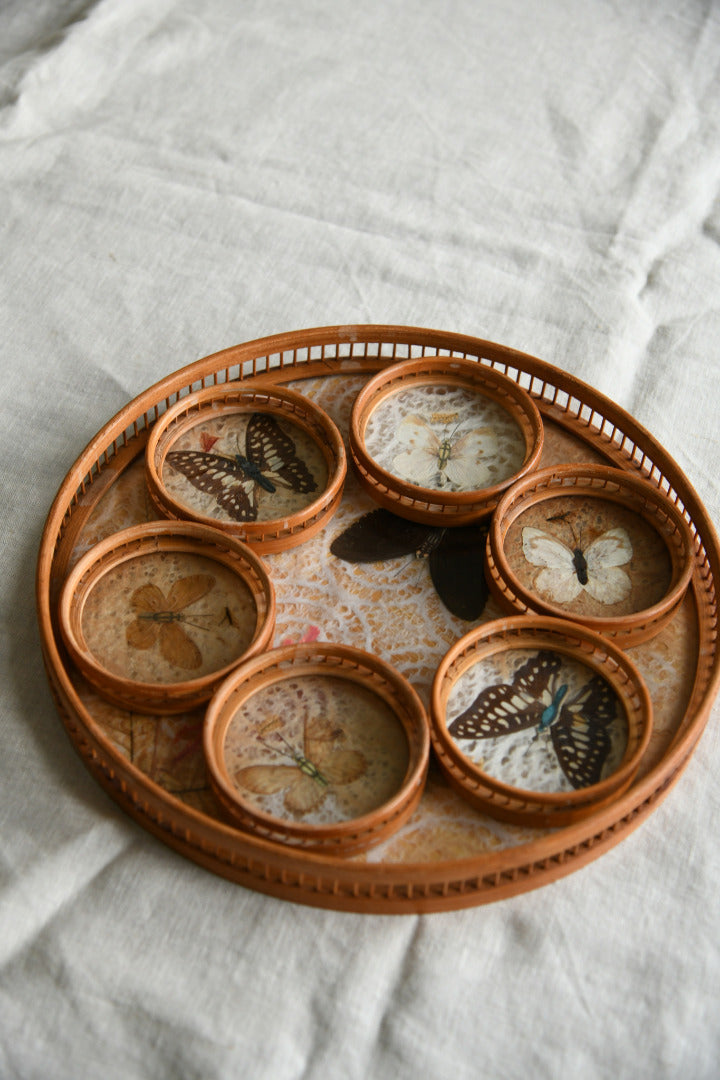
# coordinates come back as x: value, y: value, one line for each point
x: 159, y: 617
x: 445, y: 460
x: 313, y: 772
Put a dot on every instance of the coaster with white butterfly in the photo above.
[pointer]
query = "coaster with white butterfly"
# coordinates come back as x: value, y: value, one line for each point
x: 264, y: 464
x: 591, y: 543
x: 438, y: 440
x: 537, y: 720
x: 156, y: 616
x: 321, y: 746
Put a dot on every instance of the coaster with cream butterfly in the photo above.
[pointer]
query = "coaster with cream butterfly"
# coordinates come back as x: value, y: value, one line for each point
x: 594, y: 544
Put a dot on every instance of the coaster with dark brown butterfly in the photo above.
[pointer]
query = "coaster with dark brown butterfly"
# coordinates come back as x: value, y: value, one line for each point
x: 237, y: 482
x: 455, y: 556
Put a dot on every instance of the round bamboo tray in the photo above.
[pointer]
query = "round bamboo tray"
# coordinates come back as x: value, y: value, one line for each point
x: 403, y: 885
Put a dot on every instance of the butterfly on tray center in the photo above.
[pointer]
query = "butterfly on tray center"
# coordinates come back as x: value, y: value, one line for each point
x: 455, y: 556
x: 539, y: 697
x: 314, y: 770
x: 441, y: 456
x: 270, y: 461
x: 569, y: 570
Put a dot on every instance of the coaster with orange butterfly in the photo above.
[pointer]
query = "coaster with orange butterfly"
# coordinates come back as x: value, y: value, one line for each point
x: 539, y: 720
x: 320, y: 746
x: 155, y: 616
x: 263, y: 463
x: 438, y: 440
x: 594, y: 544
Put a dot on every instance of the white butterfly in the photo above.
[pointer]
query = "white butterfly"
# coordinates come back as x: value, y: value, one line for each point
x: 567, y: 571
x: 439, y: 461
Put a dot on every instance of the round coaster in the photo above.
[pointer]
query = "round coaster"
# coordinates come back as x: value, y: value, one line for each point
x: 594, y: 544
x: 539, y: 720
x: 320, y: 746
x: 263, y: 463
x: 157, y: 615
x: 438, y: 440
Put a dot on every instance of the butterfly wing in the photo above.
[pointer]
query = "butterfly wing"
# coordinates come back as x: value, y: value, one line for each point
x: 497, y: 710
x: 341, y: 766
x: 141, y: 633
x: 457, y: 568
x: 604, y: 557
x: 177, y: 648
x: 533, y: 677
x: 268, y: 447
x: 188, y: 590
x: 419, y: 463
x: 266, y: 779
x: 220, y: 476
x: 147, y: 600
x: 507, y: 708
x: 337, y: 765
x: 466, y: 467
x: 380, y: 535
x: 580, y: 736
x: 558, y: 578
x: 305, y: 794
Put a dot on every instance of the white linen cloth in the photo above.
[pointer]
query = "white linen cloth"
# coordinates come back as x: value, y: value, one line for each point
x: 177, y: 176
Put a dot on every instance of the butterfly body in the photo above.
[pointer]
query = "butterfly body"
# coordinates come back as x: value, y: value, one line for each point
x: 308, y: 768
x: 270, y: 461
x: 580, y: 566
x: 253, y: 472
x: 578, y: 725
x: 163, y: 616
x: 552, y: 711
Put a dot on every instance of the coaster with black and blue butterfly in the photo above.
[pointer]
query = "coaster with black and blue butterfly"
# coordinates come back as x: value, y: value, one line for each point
x: 539, y: 720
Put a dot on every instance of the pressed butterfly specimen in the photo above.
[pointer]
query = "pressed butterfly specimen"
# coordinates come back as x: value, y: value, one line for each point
x: 536, y: 697
x: 270, y: 461
x: 159, y: 618
x: 312, y: 772
x: 567, y: 571
x: 455, y: 556
x: 454, y: 459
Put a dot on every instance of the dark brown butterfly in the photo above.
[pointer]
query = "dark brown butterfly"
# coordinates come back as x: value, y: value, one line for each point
x: 270, y: 460
x: 314, y: 770
x: 537, y: 698
x: 159, y: 617
x: 455, y: 556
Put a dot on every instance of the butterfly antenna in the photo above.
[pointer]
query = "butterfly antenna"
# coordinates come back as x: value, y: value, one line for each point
x: 403, y: 565
x: 564, y: 519
x: 198, y: 615
x: 287, y: 752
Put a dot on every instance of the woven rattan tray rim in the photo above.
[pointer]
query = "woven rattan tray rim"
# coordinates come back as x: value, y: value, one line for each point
x: 324, y: 880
